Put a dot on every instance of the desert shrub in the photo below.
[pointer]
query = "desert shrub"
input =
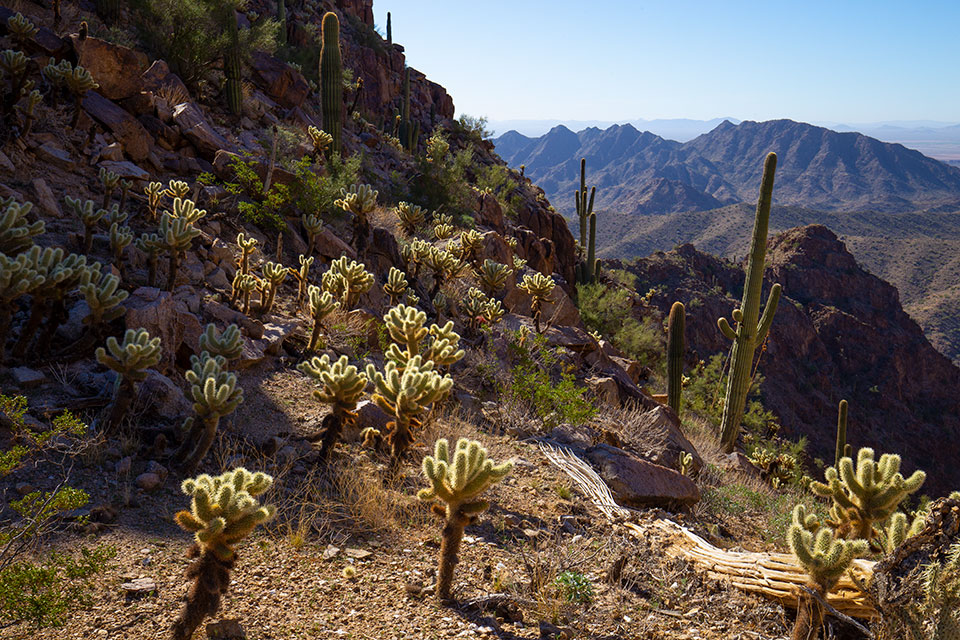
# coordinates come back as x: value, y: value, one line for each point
x: 441, y: 181
x: 192, y: 35
x: 473, y: 127
x: 553, y: 397
x: 574, y: 586
x: 607, y: 310
x: 313, y: 193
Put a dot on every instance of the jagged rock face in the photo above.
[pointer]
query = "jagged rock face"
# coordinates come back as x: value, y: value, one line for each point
x: 839, y: 332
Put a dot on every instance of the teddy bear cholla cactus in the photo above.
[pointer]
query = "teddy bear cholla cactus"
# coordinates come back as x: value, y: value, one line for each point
x: 492, y: 276
x: 866, y: 496
x: 321, y: 140
x: 110, y: 182
x: 395, y: 286
x: 120, y: 239
x: 16, y: 234
x: 538, y: 287
x: 274, y: 274
x: 215, y: 394
x: 177, y: 232
x: 341, y: 386
x: 103, y: 297
x: 360, y: 200
x: 89, y: 214
x: 406, y: 327
x: 405, y: 396
x: 228, y: 344
x: 347, y: 279
x: 322, y: 305
x: 825, y: 557
x: 456, y: 482
x: 313, y: 225
x: 130, y: 360
x: 411, y: 216
x: 224, y: 510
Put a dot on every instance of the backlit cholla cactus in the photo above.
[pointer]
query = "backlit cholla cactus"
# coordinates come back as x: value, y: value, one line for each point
x: 17, y: 278
x: 247, y: 247
x: 176, y: 189
x: 442, y: 231
x: 322, y: 305
x: 825, y: 557
x: 313, y: 225
x: 16, y: 234
x: 360, y: 200
x: 407, y: 328
x: 110, y: 182
x: 246, y: 285
x: 444, y: 265
x: 867, y: 496
x: 303, y: 277
x: 224, y: 510
x: 456, y: 482
x: 414, y: 253
x: 471, y: 245
x: 538, y: 287
x: 130, y: 360
x: 320, y: 139
x: 493, y: 276
x: 215, y: 393
x: 411, y: 217
x: 89, y: 214
x: 405, y: 396
x: 273, y: 274
x: 228, y: 344
x: 152, y: 245
x: 348, y: 280
x: 444, y: 348
x: 21, y: 29
x: 341, y: 386
x: 103, y: 297
x: 177, y: 232
x: 154, y: 192
x: 479, y: 310
x: 395, y: 286
x: 77, y: 80
x: 120, y: 239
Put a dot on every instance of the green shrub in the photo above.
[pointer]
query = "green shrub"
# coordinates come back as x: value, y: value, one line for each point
x: 575, y: 587
x: 441, y: 182
x: 192, y: 35
x: 607, y: 310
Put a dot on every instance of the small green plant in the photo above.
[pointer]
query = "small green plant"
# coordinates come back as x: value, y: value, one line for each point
x: 574, y: 586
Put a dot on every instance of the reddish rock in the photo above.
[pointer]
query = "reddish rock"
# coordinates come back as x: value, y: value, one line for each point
x: 656, y: 437
x: 157, y: 312
x: 164, y: 83
x: 44, y: 41
x: 279, y: 80
x: 45, y: 199
x: 117, y: 69
x: 131, y: 134
x: 638, y: 483
x: 195, y: 128
x: 489, y: 212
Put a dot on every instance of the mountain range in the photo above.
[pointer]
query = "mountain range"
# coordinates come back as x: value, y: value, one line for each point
x: 641, y: 173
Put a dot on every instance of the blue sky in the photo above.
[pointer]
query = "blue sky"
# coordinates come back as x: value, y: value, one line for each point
x: 811, y: 60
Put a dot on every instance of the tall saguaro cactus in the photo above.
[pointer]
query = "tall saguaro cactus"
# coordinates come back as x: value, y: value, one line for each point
x: 841, y: 433
x: 587, y: 269
x: 231, y: 66
x: 331, y: 80
x: 457, y: 481
x: 751, y: 329
x: 676, y: 346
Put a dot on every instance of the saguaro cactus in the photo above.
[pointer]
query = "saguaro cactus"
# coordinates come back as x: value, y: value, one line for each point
x: 130, y: 360
x: 751, y: 329
x: 676, y: 348
x: 405, y: 397
x: 538, y: 287
x: 841, y: 433
x: 867, y: 495
x: 231, y: 65
x: 456, y: 483
x: 825, y: 558
x: 341, y: 386
x: 331, y: 80
x: 224, y: 510
x: 389, y: 29
x: 587, y: 269
x: 215, y: 394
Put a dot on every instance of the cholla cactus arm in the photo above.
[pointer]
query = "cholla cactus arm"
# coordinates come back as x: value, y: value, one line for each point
x: 248, y: 283
x: 130, y: 360
x: 303, y: 277
x: 21, y: 29
x: 110, y: 182
x: 17, y: 277
x: 444, y: 349
x: 492, y: 276
x: 274, y: 274
x: 120, y: 239
x: 406, y: 395
x: 471, y: 243
x: 539, y: 287
x: 228, y: 344
x: 152, y: 245
x: 321, y: 140
x: 411, y: 217
x: 359, y: 200
x: 341, y: 386
x: 473, y: 306
x: 16, y: 234
x: 103, y: 299
x: 442, y: 231
x: 867, y: 495
x: 187, y: 210
x: 406, y: 327
x: 322, y: 304
x: 215, y: 393
x: 177, y: 233
x: 176, y: 189
x: 154, y: 192
x: 395, y: 286
x: 224, y: 510
x: 457, y: 481
x: 89, y: 214
x: 493, y: 313
x: 247, y: 246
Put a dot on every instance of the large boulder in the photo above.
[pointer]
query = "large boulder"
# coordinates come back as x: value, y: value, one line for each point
x: 559, y: 311
x: 197, y: 129
x: 159, y: 394
x: 655, y: 436
x: 282, y: 82
x: 135, y: 139
x: 638, y: 483
x: 164, y: 83
x: 117, y: 69
x: 164, y: 317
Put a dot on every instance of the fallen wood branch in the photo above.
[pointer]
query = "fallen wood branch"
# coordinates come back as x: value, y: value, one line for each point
x: 774, y: 575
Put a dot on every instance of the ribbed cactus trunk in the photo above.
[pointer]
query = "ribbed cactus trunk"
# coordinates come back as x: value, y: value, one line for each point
x: 231, y: 68
x: 406, y: 127
x: 282, y: 19
x: 109, y: 10
x: 841, y: 433
x: 331, y: 81
x: 676, y: 346
x: 587, y: 269
x: 751, y: 328
x: 389, y: 29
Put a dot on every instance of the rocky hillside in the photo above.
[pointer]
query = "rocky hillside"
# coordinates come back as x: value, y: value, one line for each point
x: 821, y: 169
x: 839, y: 333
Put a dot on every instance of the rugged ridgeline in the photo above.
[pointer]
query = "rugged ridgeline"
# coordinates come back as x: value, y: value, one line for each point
x: 839, y: 333
x: 821, y: 169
